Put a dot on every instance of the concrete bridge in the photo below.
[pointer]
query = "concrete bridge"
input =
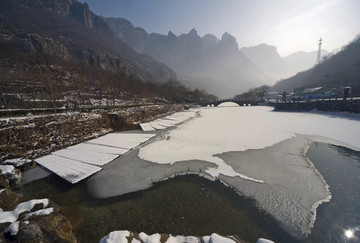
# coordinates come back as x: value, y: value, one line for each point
x: 240, y: 102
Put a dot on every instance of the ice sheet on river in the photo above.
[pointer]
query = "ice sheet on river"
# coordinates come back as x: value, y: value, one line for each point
x: 168, y: 121
x: 80, y: 161
x: 280, y: 178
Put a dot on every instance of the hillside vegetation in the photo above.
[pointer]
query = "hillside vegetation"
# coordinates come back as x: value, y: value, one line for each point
x: 337, y: 70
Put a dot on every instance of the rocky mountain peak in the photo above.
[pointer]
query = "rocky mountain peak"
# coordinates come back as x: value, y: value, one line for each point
x: 193, y: 32
x: 228, y: 41
x: 171, y: 35
x: 209, y: 41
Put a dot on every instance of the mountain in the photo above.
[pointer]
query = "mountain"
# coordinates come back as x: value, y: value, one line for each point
x: 300, y: 61
x: 268, y: 60
x: 68, y: 30
x: 218, y: 66
x: 340, y: 69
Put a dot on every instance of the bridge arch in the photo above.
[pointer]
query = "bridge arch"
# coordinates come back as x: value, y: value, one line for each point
x: 240, y: 102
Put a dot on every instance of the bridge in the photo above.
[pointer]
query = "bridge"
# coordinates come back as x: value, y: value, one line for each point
x: 240, y: 102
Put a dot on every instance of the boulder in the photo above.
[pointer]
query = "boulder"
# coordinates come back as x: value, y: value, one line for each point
x: 30, y: 232
x: 3, y: 182
x: 8, y: 200
x: 54, y: 227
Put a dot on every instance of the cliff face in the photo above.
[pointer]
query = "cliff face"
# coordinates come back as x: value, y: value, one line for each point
x: 67, y: 29
x: 268, y: 60
x: 217, y: 66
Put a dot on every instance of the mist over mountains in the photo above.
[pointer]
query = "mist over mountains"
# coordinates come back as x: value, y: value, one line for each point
x: 200, y: 62
x: 218, y: 66
x: 335, y: 71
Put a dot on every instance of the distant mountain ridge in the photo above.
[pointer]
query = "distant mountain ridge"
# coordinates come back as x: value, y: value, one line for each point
x: 335, y: 71
x: 202, y: 62
x: 301, y: 60
x: 270, y: 62
x: 267, y: 59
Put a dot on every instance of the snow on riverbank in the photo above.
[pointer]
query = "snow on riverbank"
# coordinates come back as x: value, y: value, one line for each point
x: 12, y: 216
x: 78, y: 162
x: 168, y: 121
x: 121, y: 237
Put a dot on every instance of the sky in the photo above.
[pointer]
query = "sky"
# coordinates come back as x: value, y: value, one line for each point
x: 290, y: 25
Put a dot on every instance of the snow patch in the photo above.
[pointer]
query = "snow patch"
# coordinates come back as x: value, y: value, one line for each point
x: 182, y: 239
x: 116, y: 237
x: 12, y: 216
x: 17, y: 162
x: 262, y: 240
x: 155, y: 238
x: 13, y: 228
x: 41, y: 212
x: 7, y: 169
x: 215, y: 238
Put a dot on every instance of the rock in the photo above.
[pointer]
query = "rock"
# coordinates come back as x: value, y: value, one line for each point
x: 30, y: 232
x: 22, y: 164
x: 55, y: 227
x: 3, y: 182
x: 11, y: 174
x: 8, y: 200
x: 15, y: 178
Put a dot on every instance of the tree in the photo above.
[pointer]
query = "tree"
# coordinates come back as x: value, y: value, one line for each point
x: 254, y: 93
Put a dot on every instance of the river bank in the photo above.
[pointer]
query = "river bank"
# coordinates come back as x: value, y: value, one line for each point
x: 22, y: 139
x: 34, y: 136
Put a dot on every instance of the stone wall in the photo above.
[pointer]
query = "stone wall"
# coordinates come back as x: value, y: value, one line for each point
x: 352, y: 106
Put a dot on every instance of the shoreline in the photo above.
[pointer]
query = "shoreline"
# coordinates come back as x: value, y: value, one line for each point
x: 35, y: 136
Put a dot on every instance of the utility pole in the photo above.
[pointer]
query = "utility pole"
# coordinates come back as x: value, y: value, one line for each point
x: 318, y: 58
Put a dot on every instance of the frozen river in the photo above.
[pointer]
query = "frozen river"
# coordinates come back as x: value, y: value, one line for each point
x: 263, y: 155
x: 259, y: 152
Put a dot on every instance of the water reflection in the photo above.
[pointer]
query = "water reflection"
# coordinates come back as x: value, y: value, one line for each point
x: 185, y: 205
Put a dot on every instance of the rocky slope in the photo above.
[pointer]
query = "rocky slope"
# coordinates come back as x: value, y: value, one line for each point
x: 67, y: 29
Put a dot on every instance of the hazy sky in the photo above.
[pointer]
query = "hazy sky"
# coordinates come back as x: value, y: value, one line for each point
x: 290, y: 25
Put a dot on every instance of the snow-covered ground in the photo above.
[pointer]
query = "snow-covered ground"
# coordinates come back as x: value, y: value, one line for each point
x: 259, y: 152
x: 168, y: 121
x: 78, y: 162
